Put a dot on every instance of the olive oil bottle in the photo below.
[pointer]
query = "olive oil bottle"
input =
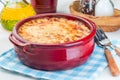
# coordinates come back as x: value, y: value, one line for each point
x: 14, y: 11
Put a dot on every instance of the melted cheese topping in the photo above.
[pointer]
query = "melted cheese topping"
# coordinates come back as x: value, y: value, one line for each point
x: 53, y: 30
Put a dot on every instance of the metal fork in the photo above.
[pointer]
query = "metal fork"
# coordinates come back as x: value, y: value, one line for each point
x: 102, y: 40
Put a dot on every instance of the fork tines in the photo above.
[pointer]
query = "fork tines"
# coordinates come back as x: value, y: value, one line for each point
x: 100, y: 34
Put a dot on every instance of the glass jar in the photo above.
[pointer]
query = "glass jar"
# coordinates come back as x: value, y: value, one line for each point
x: 44, y: 6
x: 14, y: 11
x: 104, y: 8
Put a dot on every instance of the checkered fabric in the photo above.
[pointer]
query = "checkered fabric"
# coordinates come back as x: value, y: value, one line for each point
x: 88, y: 71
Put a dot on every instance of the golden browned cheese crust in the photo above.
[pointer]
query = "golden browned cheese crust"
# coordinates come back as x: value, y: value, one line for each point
x: 53, y: 30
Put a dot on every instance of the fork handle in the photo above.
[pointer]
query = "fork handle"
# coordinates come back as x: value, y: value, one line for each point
x: 111, y: 63
x: 117, y: 50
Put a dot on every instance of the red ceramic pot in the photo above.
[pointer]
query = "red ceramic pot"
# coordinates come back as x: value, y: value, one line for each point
x: 54, y: 57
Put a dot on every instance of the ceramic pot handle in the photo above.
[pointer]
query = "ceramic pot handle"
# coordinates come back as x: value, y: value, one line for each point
x: 26, y: 47
x: 16, y: 42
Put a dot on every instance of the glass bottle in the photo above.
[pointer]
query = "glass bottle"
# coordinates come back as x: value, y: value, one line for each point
x: 14, y: 11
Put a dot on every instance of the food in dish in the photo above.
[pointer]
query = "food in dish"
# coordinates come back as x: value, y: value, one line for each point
x: 53, y: 30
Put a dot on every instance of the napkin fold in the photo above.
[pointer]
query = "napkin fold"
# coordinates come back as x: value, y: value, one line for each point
x: 88, y: 71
